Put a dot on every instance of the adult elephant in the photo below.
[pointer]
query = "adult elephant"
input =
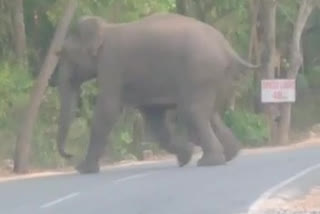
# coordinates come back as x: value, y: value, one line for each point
x: 161, y: 62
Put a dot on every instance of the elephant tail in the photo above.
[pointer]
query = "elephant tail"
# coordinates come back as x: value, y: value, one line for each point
x: 238, y: 59
x: 64, y: 154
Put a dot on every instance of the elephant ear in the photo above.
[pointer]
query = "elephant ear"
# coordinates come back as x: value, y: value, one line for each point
x: 91, y: 30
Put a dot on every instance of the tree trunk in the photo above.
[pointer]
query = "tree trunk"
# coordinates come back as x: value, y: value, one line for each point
x: 268, y: 39
x: 22, y: 151
x: 202, y: 9
x: 295, y: 62
x: 254, y: 53
x: 19, y: 32
x: 254, y: 43
x: 181, y: 7
x: 6, y: 26
x: 137, y: 138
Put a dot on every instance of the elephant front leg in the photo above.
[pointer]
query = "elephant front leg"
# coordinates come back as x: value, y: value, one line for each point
x: 181, y: 145
x: 105, y: 115
x: 230, y: 143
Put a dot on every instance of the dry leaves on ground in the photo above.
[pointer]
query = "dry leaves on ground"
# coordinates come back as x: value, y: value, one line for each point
x: 310, y: 203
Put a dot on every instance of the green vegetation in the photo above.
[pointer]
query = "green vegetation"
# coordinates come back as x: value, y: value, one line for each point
x: 250, y: 128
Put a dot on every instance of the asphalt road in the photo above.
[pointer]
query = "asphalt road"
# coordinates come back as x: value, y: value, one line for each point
x: 158, y: 188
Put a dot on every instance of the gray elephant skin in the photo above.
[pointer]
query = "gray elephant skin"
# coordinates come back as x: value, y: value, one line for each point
x: 159, y: 63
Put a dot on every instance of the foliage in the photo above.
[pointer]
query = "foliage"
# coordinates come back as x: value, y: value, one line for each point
x: 313, y: 77
x: 5, y: 29
x: 302, y: 83
x: 14, y: 84
x: 44, y: 148
x: 14, y: 87
x: 122, y: 136
x: 232, y: 17
x: 286, y: 15
x: 305, y: 112
x: 250, y: 128
x: 89, y: 92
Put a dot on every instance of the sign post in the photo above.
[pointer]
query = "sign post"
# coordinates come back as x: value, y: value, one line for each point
x: 278, y: 91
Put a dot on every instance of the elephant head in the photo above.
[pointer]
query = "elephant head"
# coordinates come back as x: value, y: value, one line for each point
x: 77, y: 64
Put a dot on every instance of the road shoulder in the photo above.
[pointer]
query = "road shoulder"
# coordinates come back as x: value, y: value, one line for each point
x: 312, y: 142
x: 298, y: 194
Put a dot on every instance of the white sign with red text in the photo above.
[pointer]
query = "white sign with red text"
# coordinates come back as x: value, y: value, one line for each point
x: 278, y: 91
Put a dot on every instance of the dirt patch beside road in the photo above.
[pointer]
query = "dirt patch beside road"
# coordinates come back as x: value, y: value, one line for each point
x: 309, y: 203
x: 7, y: 175
x: 303, y: 144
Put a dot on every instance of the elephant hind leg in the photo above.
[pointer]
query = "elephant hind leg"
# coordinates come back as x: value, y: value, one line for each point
x: 160, y: 128
x: 229, y: 142
x: 198, y: 124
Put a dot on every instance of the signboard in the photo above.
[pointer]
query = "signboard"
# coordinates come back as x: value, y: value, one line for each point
x: 278, y: 90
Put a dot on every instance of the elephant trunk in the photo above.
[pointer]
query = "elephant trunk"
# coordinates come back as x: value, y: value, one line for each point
x: 69, y: 95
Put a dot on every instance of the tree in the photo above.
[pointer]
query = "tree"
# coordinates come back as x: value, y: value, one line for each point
x: 22, y: 151
x: 267, y: 33
x: 19, y: 31
x: 181, y: 7
x: 295, y: 62
x: 195, y: 8
x: 254, y: 51
x: 137, y: 136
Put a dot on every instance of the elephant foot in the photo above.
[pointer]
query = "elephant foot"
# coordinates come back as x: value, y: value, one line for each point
x: 184, y: 155
x: 88, y: 168
x: 211, y: 160
x: 231, y: 152
x: 231, y: 145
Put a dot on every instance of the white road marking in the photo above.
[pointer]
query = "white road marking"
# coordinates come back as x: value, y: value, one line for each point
x: 254, y: 208
x: 75, y: 194
x: 59, y: 200
x: 131, y: 177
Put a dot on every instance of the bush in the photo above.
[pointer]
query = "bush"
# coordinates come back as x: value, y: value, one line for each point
x: 44, y: 149
x: 122, y: 137
x: 15, y: 83
x: 250, y: 128
x: 305, y: 111
x: 14, y: 86
x: 313, y: 77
